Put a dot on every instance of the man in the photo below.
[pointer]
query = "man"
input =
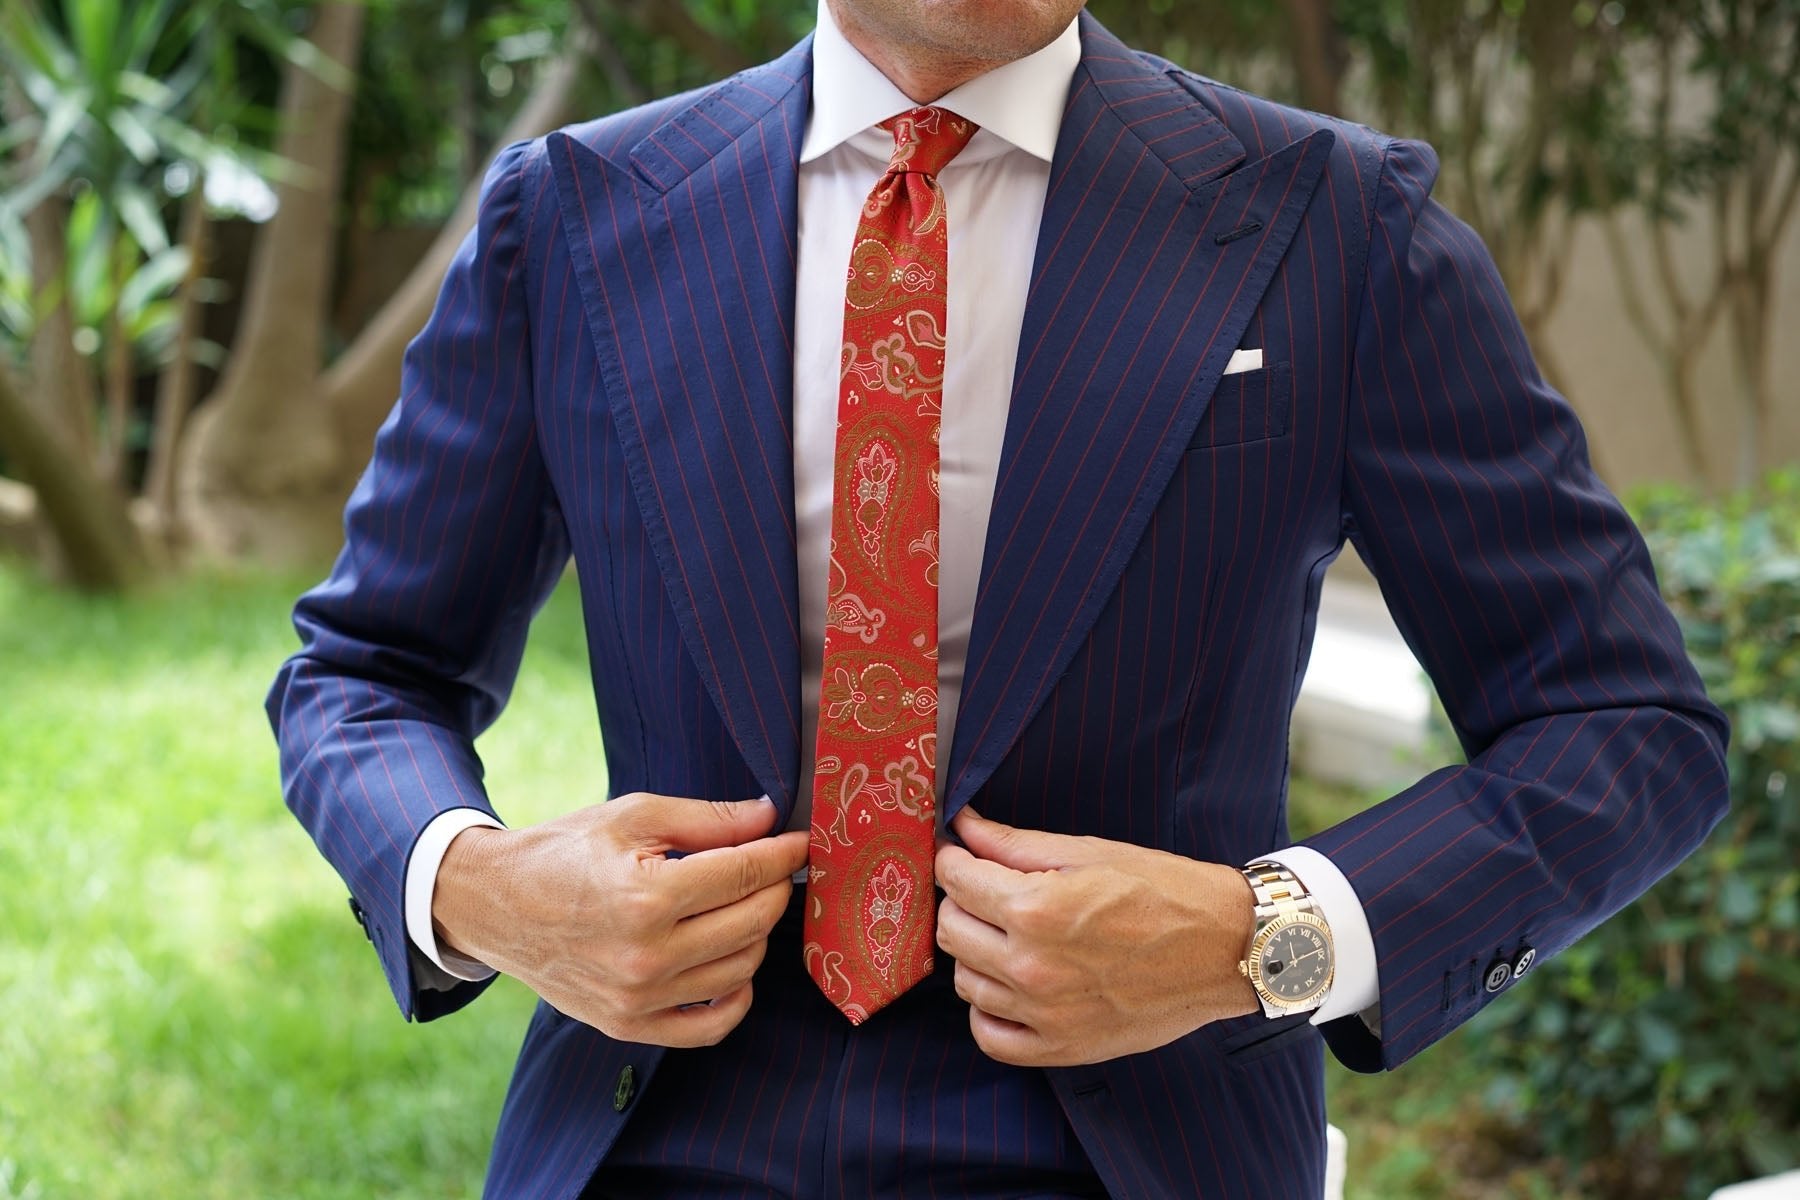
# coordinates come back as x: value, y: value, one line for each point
x: 956, y: 416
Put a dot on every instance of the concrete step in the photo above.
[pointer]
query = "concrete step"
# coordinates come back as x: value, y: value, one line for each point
x: 1365, y: 704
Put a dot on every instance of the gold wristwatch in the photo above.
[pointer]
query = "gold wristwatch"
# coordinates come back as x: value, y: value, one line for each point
x: 1290, y: 961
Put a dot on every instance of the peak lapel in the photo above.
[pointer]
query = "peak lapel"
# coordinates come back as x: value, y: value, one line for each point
x: 685, y: 261
x: 1157, y: 242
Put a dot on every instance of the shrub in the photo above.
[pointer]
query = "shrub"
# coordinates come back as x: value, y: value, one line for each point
x: 1660, y: 1056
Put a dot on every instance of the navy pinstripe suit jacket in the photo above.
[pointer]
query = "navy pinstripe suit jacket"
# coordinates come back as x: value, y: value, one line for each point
x: 607, y: 376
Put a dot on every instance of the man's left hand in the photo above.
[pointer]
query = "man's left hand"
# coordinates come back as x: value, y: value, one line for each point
x: 1075, y: 950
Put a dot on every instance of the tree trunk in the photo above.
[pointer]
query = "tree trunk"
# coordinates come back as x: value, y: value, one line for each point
x: 263, y: 452
x: 675, y: 22
x: 64, y: 390
x: 1678, y: 384
x: 100, y: 548
x: 1318, y: 65
x: 272, y: 457
x: 361, y: 385
x: 64, y: 382
x: 22, y: 534
x: 175, y: 389
x: 120, y: 381
x: 1750, y: 313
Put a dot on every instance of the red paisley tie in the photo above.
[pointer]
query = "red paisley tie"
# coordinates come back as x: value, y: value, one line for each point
x: 870, y: 904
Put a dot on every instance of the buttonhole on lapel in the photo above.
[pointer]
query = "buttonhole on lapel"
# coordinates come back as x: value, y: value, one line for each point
x: 1097, y: 1088
x: 1242, y: 231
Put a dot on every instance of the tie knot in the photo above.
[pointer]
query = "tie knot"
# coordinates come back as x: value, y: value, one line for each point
x: 927, y: 138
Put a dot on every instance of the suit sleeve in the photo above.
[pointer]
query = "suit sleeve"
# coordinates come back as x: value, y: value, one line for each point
x: 1595, y: 762
x: 452, y: 540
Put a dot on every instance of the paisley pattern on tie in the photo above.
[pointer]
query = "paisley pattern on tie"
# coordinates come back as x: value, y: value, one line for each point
x: 870, y: 905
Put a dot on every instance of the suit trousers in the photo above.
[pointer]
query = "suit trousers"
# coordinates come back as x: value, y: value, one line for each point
x: 797, y: 1103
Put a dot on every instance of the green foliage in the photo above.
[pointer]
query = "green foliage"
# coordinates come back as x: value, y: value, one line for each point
x: 439, y: 81
x: 103, y: 275
x: 18, y: 303
x: 117, y: 93
x: 1520, y: 97
x: 1222, y: 39
x: 1657, y: 1057
x: 1746, y: 54
x: 124, y: 107
x: 437, y: 84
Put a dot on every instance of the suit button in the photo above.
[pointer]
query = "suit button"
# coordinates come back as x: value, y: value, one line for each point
x: 1499, y: 974
x: 362, y: 918
x: 625, y: 1089
x: 1522, y: 961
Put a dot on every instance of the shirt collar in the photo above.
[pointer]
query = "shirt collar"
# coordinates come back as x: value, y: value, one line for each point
x: 1020, y: 102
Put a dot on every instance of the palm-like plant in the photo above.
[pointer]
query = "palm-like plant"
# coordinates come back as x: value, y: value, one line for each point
x: 118, y: 111
x: 113, y: 102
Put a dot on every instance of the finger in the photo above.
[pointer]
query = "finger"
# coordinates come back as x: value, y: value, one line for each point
x: 703, y: 1025
x: 717, y: 932
x: 663, y: 823
x: 967, y: 938
x: 1021, y: 849
x: 983, y: 888
x: 992, y: 996
x: 713, y: 878
x: 1008, y: 1041
x: 708, y: 981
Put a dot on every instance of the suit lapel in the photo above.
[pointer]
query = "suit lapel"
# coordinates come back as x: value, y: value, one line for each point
x: 1156, y: 244
x: 684, y: 256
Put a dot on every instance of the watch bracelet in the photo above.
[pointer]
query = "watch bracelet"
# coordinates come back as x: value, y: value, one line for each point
x: 1274, y: 886
x: 1276, y: 890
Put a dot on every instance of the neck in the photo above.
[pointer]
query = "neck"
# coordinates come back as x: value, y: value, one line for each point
x: 924, y: 73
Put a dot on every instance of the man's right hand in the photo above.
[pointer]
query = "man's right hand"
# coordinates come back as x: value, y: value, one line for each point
x: 591, y: 914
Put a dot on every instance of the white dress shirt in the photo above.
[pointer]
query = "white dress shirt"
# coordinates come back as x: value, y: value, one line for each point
x: 994, y: 191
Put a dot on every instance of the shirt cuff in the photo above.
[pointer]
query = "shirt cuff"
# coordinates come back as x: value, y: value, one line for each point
x: 1356, y: 987
x: 421, y: 883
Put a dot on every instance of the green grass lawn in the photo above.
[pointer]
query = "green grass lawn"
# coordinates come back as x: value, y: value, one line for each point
x: 204, y: 1018
x: 186, y: 1007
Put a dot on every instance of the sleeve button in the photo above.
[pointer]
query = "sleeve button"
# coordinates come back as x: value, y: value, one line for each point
x: 362, y: 918
x: 1523, y: 961
x: 1499, y: 974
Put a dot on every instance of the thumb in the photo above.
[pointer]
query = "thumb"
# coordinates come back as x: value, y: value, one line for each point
x: 1020, y: 849
x: 664, y: 823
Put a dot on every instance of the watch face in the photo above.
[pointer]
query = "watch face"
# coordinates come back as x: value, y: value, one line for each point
x: 1293, y: 964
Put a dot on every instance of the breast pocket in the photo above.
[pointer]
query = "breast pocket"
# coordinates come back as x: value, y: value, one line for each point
x: 1250, y: 406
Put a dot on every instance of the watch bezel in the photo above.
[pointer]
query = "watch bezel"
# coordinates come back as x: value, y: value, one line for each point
x: 1253, y: 962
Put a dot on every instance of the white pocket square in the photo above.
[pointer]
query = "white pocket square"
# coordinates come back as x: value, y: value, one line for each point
x: 1244, y: 360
